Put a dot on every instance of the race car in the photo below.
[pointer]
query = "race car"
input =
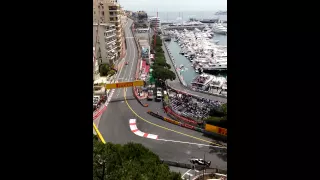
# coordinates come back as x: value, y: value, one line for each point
x: 200, y: 162
x: 126, y: 63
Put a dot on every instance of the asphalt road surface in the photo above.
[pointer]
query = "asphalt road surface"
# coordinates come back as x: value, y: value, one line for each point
x: 176, y: 144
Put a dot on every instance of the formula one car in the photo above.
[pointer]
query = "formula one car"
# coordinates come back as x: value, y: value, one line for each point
x: 200, y: 162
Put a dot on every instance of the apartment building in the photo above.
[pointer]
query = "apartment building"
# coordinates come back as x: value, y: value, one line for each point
x: 108, y: 11
x: 96, y: 73
x: 106, y: 43
x: 155, y: 22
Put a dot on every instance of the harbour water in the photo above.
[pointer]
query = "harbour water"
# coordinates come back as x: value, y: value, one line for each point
x: 189, y: 73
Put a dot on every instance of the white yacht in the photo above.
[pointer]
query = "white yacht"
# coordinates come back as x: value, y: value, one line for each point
x: 202, y: 81
x: 224, y: 89
x: 219, y: 29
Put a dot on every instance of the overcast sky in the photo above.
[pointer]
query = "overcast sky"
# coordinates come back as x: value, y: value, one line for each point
x: 174, y: 5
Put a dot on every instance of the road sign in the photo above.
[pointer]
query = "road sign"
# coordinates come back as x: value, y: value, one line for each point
x: 124, y: 84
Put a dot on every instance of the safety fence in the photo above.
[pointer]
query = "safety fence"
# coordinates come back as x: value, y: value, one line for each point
x: 188, y: 126
x: 208, y: 129
x: 189, y: 121
x: 134, y: 89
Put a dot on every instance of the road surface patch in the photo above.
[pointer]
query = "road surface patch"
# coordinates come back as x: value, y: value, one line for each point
x: 136, y: 131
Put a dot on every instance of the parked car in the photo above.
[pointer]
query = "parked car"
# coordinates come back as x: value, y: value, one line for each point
x: 200, y: 162
x: 150, y: 95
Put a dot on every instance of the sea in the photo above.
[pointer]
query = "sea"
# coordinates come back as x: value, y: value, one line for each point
x: 188, y: 71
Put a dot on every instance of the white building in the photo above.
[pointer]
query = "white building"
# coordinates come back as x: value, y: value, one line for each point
x: 155, y: 22
x: 106, y: 52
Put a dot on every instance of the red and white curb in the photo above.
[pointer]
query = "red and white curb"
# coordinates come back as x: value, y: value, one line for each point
x: 135, y: 130
x: 101, y: 110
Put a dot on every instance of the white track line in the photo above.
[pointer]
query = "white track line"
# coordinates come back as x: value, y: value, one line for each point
x: 134, y: 56
x: 183, y: 142
x: 135, y: 130
x: 185, y: 173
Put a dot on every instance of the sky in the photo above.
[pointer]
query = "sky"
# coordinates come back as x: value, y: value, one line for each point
x: 174, y: 5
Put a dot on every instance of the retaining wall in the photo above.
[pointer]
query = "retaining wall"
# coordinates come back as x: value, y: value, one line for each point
x: 174, y: 64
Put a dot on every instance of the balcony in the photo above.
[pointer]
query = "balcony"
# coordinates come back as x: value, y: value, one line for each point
x: 111, y: 49
x: 114, y: 8
x: 109, y: 35
x: 110, y: 40
x: 115, y: 20
x: 114, y: 14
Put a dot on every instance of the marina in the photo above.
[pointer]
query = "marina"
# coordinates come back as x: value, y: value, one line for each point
x: 200, y: 58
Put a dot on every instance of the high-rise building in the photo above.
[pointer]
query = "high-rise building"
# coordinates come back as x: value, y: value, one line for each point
x: 108, y: 11
x: 155, y: 22
x: 106, y: 47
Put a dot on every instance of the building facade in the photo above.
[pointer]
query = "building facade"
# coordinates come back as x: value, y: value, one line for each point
x: 108, y: 11
x: 155, y: 22
x: 96, y: 74
x: 106, y: 52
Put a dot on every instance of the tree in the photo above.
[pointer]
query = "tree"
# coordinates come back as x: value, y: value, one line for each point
x: 218, y: 117
x: 104, y: 69
x: 129, y: 161
x: 163, y: 74
x: 160, y: 63
x: 111, y: 72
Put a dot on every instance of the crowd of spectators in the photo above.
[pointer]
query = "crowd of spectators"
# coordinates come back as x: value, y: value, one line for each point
x: 193, y: 107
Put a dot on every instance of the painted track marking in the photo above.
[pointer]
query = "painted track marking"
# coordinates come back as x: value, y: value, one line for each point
x: 136, y: 131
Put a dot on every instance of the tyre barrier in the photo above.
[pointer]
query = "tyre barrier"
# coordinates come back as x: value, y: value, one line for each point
x: 216, y: 135
x: 155, y: 115
x: 172, y: 121
x: 199, y: 129
x: 188, y: 126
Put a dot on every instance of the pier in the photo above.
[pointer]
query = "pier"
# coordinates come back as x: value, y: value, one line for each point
x: 201, y: 27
